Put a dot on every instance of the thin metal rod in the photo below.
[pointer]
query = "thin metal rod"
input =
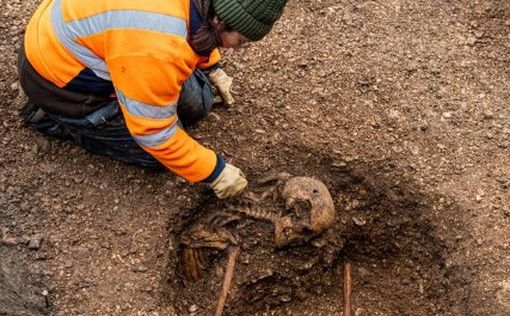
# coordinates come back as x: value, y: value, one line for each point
x: 347, y: 288
x: 227, y: 281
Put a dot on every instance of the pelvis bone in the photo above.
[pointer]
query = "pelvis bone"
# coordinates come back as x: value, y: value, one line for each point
x: 195, y: 244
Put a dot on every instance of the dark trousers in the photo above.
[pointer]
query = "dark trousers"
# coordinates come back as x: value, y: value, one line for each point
x: 104, y: 130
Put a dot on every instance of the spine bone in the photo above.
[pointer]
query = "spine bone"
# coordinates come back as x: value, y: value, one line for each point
x: 259, y: 214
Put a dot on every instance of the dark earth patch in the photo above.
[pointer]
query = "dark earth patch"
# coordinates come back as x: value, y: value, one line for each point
x: 399, y: 260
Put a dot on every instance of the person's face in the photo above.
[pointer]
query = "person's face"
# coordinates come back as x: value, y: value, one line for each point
x: 229, y: 38
x: 232, y: 39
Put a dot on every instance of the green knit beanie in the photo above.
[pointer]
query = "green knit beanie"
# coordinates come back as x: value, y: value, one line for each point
x: 252, y: 18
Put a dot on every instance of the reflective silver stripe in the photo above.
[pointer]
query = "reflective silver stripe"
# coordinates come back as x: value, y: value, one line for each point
x: 146, y: 110
x: 69, y: 32
x: 68, y: 39
x: 128, y: 19
x: 157, y: 138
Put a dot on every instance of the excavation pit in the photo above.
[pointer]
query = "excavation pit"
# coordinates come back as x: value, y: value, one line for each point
x: 398, y: 264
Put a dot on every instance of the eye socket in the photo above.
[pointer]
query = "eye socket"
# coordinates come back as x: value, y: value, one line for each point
x: 306, y: 230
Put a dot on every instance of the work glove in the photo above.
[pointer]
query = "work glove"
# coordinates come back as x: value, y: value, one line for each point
x: 230, y: 182
x: 223, y: 82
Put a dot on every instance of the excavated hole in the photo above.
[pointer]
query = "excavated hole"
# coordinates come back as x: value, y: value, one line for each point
x: 398, y: 262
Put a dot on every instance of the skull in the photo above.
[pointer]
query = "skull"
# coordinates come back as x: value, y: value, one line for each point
x: 313, y: 211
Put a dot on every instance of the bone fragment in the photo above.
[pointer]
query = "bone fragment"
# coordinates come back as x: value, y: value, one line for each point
x: 258, y: 214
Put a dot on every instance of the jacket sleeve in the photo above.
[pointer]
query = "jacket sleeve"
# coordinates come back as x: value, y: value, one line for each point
x: 148, y: 87
x: 212, y: 61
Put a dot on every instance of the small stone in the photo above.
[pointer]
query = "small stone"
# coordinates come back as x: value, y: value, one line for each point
x: 504, y: 181
x: 471, y: 40
x: 44, y: 146
x: 25, y: 206
x: 15, y: 86
x: 488, y: 115
x: 478, y: 198
x: 412, y: 67
x: 340, y: 165
x: 147, y: 289
x: 9, y: 241
x: 141, y: 269
x: 394, y: 115
x: 40, y: 256
x: 504, y: 144
x: 359, y: 221
x: 133, y: 249
x: 464, y: 107
x: 193, y: 308
x: 421, y: 288
x: 354, y: 204
x: 435, y: 71
x: 447, y: 115
x: 423, y: 126
x: 35, y: 242
x: 25, y: 239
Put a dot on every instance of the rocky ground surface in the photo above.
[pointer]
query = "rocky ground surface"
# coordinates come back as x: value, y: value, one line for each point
x: 402, y: 108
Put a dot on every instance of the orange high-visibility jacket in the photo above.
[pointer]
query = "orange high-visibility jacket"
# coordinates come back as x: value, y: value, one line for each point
x: 142, y: 48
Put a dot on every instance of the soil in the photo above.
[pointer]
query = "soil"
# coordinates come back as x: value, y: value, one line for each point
x: 402, y: 108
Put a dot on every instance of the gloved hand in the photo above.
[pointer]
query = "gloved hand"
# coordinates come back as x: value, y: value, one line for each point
x: 230, y: 182
x: 223, y: 82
